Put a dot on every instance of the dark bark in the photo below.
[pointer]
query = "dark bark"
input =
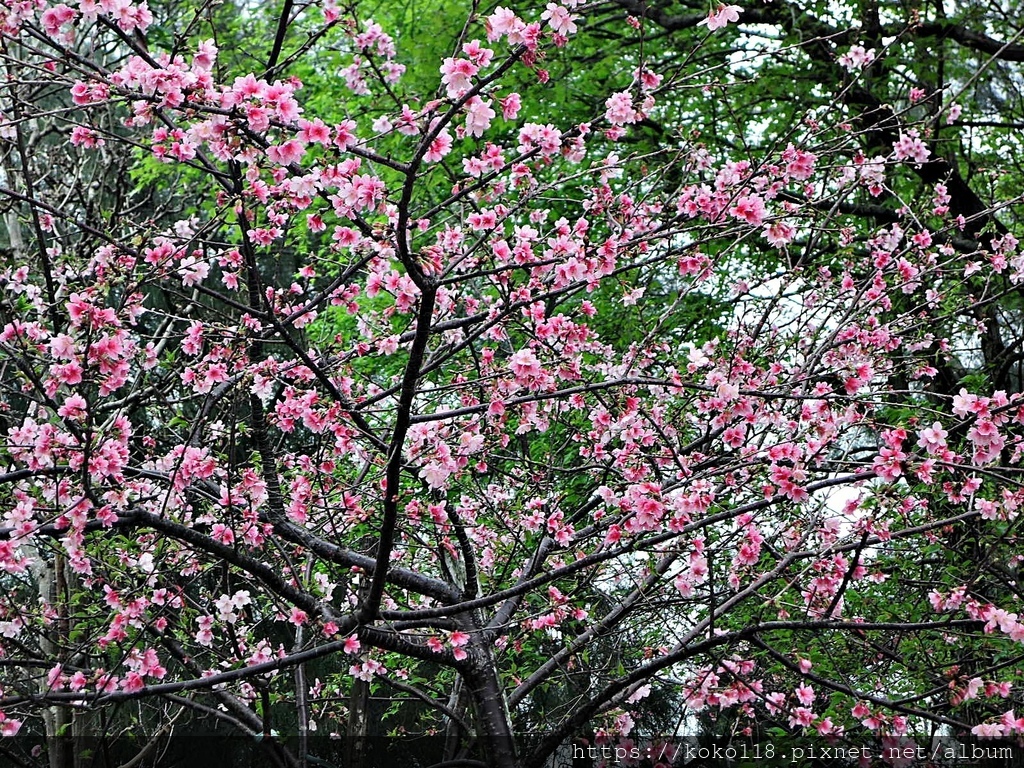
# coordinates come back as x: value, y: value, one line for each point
x: 494, y: 730
x: 358, y: 720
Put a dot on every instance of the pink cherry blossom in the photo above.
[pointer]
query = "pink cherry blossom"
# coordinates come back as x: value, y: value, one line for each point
x: 620, y: 109
x: 910, y: 147
x: 857, y: 58
x: 456, y: 75
x: 559, y: 19
x: 721, y: 16
x: 478, y: 116
x: 424, y: 391
x: 510, y: 106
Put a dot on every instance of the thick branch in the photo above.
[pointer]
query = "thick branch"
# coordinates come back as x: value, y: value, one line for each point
x: 393, y: 474
x: 583, y: 713
x: 974, y: 40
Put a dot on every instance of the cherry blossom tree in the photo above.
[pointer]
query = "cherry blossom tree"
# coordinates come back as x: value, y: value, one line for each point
x: 323, y: 389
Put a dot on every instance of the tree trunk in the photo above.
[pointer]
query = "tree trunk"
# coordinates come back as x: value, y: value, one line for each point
x: 452, y: 732
x: 494, y: 729
x: 358, y: 719
x: 57, y: 721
